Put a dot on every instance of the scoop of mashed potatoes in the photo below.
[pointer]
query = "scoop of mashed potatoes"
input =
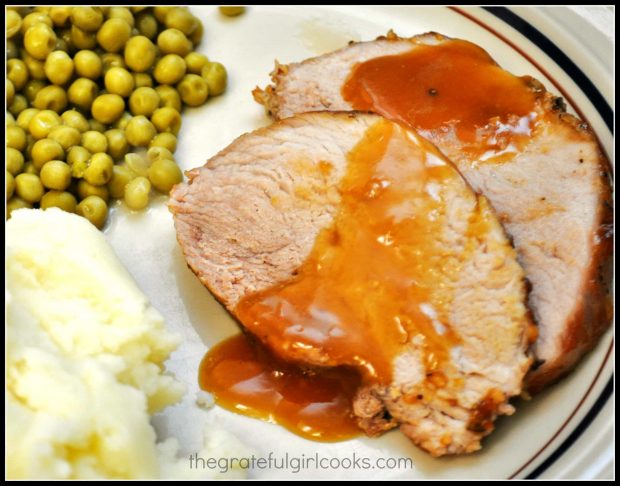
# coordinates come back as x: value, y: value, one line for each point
x: 85, y: 354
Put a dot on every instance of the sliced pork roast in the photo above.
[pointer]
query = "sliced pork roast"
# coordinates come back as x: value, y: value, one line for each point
x: 541, y: 168
x: 347, y: 239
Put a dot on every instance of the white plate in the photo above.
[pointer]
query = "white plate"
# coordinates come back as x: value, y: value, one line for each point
x: 566, y: 432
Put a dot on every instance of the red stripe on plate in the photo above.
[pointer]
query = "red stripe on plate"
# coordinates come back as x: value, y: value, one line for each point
x: 570, y: 417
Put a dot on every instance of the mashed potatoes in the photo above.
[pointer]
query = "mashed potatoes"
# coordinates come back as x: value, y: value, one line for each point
x: 85, y: 353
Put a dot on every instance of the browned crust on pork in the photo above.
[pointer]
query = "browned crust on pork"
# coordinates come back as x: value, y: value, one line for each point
x: 268, y: 97
x: 594, y: 313
x: 370, y: 412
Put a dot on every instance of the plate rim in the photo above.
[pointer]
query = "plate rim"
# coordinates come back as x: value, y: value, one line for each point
x: 511, y: 19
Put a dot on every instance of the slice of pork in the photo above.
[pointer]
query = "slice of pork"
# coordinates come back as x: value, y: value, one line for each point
x: 248, y: 219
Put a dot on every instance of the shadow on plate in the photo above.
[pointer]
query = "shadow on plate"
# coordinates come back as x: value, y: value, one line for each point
x: 207, y: 316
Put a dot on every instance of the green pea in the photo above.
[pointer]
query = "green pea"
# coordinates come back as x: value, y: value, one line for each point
x: 119, y: 81
x: 108, y: 108
x: 170, y: 69
x: 96, y: 126
x: 195, y: 62
x: 137, y: 193
x: 74, y: 119
x: 118, y: 145
x: 36, y: 68
x: 13, y: 23
x: 94, y: 209
x: 231, y: 11
x: 32, y: 18
x: 78, y: 158
x: 155, y: 153
x: 99, y: 169
x: 193, y: 90
x: 59, y: 199
x: 138, y: 163
x: 58, y: 67
x: 89, y: 19
x: 45, y: 150
x: 40, y: 40
x: 43, y: 122
x: 44, y: 10
x: 143, y: 80
x: 140, y: 53
x: 164, y: 174
x: 140, y: 131
x: 17, y: 73
x: 88, y: 64
x: 66, y: 136
x: 169, y: 97
x: 29, y: 187
x: 121, y: 176
x: 51, y: 98
x: 144, y: 101
x: 14, y: 161
x: 114, y: 34
x: 147, y: 25
x: 180, y: 18
x: 166, y: 140
x: 55, y: 174
x: 21, y: 10
x: 94, y: 141
x: 23, y: 119
x: 161, y: 13
x: 173, y: 41
x: 60, y: 16
x: 20, y: 103
x: 82, y: 93
x: 215, y: 75
x: 85, y: 189
x: 16, y: 137
x: 167, y: 120
x: 122, y: 13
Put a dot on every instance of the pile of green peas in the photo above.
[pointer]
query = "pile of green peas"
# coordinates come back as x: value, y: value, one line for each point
x: 94, y: 97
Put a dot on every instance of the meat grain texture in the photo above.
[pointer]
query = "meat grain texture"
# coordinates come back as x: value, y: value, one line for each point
x: 553, y: 199
x: 249, y: 218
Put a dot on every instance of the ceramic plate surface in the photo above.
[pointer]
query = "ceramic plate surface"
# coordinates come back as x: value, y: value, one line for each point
x: 566, y: 432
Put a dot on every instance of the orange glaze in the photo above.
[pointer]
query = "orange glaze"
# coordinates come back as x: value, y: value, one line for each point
x: 374, y: 279
x: 452, y: 86
x: 247, y: 378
